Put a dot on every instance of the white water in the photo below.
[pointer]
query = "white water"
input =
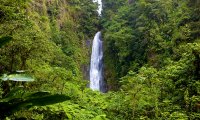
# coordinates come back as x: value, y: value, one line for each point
x: 99, y: 6
x: 96, y: 64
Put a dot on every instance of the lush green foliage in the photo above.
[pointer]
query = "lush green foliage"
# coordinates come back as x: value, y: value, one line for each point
x: 152, y: 59
x: 155, y: 46
x: 47, y: 39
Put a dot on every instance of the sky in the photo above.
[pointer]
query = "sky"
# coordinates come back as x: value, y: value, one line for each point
x: 100, y: 6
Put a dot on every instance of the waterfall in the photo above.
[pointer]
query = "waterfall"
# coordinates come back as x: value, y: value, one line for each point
x: 96, y: 65
x: 99, y: 6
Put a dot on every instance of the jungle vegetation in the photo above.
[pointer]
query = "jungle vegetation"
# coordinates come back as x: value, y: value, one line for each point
x: 151, y: 58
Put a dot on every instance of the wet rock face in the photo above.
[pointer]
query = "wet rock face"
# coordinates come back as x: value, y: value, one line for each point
x: 85, y: 70
x: 131, y: 1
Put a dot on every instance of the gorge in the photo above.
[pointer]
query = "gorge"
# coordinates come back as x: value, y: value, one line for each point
x: 146, y: 53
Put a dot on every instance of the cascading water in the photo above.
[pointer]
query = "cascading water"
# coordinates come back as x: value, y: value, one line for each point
x: 99, y: 6
x: 96, y: 65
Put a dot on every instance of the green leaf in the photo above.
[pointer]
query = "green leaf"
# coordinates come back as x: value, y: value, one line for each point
x: 17, y: 77
x: 17, y: 104
x: 100, y: 117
